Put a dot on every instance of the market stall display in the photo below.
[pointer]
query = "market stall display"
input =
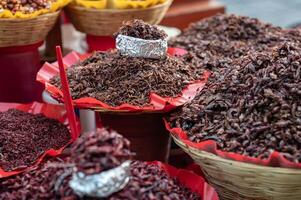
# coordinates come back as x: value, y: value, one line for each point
x: 102, y: 79
x: 98, y: 154
x: 100, y: 19
x: 29, y: 132
x: 165, y: 82
x: 227, y: 91
x: 126, y: 89
x: 245, y: 123
x: 148, y: 103
x: 23, y: 27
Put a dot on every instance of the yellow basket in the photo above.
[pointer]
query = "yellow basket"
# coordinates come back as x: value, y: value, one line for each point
x: 101, y: 22
x: 99, y: 4
x: 118, y: 4
x: 17, y: 32
x: 235, y: 180
x: 128, y: 4
x: 55, y: 6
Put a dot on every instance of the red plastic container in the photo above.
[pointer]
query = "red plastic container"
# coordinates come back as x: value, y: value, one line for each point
x: 146, y: 132
x: 18, y: 69
x: 100, y: 43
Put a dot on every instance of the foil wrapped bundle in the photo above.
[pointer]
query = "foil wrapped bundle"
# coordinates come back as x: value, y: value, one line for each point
x: 101, y: 185
x: 137, y: 47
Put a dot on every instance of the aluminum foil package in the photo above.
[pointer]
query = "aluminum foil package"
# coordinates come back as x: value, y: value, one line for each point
x: 101, y: 185
x: 136, y: 47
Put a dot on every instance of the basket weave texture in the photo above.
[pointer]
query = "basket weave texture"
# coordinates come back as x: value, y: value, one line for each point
x: 18, y: 32
x: 101, y: 22
x: 235, y: 180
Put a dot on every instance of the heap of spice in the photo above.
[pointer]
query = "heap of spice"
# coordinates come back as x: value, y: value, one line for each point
x: 104, y: 150
x: 115, y: 79
x: 100, y: 151
x: 24, y: 137
x: 215, y: 43
x: 25, y: 6
x: 51, y: 181
x: 254, y: 110
x: 140, y: 29
x: 149, y: 181
x: 37, y: 184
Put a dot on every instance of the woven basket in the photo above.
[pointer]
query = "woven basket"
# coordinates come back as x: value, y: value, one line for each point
x: 18, y: 32
x: 235, y: 180
x: 100, y: 22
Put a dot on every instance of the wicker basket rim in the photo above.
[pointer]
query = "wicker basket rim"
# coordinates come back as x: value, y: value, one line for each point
x: 110, y: 11
x: 252, y: 166
x: 28, y: 19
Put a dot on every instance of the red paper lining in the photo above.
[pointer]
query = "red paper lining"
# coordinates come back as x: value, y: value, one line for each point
x: 191, y: 180
x: 50, y: 111
x: 158, y: 104
x: 276, y: 159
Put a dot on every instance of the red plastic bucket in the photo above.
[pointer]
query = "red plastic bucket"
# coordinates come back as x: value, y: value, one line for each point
x: 18, y: 69
x: 100, y: 43
x: 146, y: 132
